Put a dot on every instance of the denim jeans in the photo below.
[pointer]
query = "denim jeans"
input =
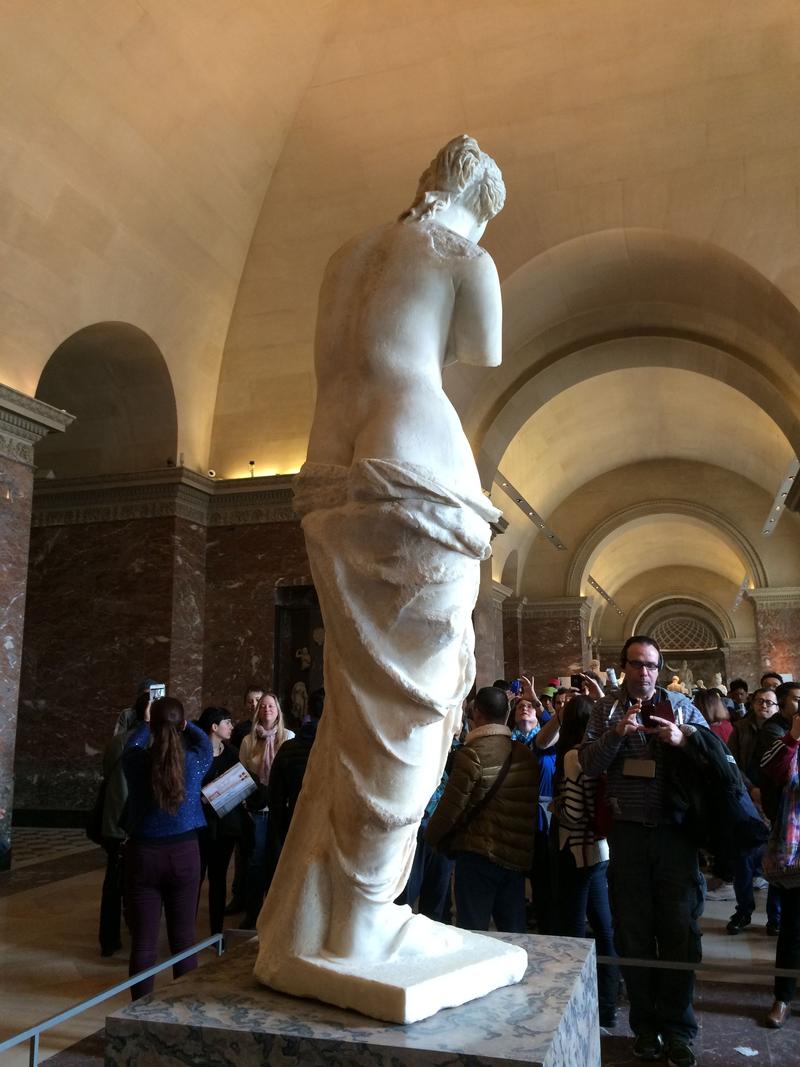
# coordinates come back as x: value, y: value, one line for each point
x: 429, y: 882
x: 656, y: 891
x: 159, y: 875
x: 259, y: 868
x: 583, y: 891
x: 747, y: 865
x: 485, y: 891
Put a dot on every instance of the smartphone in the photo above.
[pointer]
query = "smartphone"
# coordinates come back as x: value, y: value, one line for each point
x: 158, y: 691
x: 663, y: 710
x: 516, y: 687
x: 576, y: 681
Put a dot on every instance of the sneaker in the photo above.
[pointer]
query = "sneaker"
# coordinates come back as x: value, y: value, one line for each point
x: 773, y: 929
x: 679, y: 1054
x: 760, y: 883
x: 737, y: 923
x: 648, y: 1046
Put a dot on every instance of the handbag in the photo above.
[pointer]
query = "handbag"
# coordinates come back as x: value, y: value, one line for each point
x: 781, y: 861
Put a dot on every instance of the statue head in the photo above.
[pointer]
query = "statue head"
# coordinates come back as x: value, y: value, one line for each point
x: 460, y: 172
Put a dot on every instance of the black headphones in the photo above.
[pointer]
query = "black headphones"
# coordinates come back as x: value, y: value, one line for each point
x: 640, y: 639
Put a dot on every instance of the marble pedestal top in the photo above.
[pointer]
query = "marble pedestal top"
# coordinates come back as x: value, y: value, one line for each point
x: 220, y: 1016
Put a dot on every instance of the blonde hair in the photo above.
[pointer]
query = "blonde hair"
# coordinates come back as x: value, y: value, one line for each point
x: 459, y: 169
x: 280, y: 734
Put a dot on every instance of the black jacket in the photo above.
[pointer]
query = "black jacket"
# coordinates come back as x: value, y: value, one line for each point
x: 286, y: 779
x: 708, y: 795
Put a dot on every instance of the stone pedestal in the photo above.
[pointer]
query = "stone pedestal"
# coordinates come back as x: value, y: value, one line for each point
x: 777, y: 614
x: 219, y: 1016
x: 23, y: 421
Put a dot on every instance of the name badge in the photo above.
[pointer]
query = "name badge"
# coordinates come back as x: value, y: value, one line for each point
x: 639, y: 768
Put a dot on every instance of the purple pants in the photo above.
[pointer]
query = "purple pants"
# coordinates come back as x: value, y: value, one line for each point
x: 156, y: 875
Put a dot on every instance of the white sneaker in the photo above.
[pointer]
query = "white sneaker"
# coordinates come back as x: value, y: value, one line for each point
x: 760, y: 883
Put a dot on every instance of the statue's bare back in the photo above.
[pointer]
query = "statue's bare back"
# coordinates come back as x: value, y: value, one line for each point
x: 396, y: 305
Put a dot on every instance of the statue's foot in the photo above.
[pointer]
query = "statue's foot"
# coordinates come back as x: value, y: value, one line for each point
x: 385, y: 931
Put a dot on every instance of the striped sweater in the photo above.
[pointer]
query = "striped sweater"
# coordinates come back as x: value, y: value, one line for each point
x: 632, y: 799
x: 575, y: 808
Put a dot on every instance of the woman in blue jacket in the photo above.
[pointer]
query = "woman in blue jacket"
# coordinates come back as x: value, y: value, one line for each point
x: 164, y: 760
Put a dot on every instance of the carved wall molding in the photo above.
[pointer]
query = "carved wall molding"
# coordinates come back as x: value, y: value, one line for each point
x: 562, y: 607
x: 169, y: 493
x: 787, y: 596
x: 24, y: 421
x: 500, y: 593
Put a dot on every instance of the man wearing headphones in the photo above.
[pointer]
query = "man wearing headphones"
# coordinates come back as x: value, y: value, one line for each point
x: 655, y: 884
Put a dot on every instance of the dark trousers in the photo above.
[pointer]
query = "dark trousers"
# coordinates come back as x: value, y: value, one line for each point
x: 656, y: 892
x: 429, y: 882
x: 484, y: 891
x: 746, y: 867
x: 583, y: 891
x: 260, y: 868
x: 111, y: 897
x: 215, y: 858
x: 542, y: 876
x: 159, y: 876
x: 787, y: 951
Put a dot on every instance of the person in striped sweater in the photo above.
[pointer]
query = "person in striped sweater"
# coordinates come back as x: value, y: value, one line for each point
x: 583, y: 857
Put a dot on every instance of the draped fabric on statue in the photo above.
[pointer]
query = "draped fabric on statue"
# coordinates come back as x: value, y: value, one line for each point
x: 395, y: 558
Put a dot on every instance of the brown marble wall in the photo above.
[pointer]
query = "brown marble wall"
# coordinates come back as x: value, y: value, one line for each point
x: 16, y: 480
x: 743, y: 661
x: 778, y: 632
x: 188, y: 612
x: 512, y: 638
x: 243, y: 565
x: 98, y: 619
x: 553, y: 638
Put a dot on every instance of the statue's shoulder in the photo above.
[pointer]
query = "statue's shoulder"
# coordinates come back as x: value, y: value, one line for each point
x: 446, y: 244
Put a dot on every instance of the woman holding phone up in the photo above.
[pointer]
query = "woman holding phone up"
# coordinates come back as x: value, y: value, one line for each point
x: 164, y: 760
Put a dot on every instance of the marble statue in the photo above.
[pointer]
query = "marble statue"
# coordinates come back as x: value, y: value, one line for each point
x: 299, y: 697
x: 686, y: 675
x: 676, y: 685
x: 396, y: 526
x: 717, y: 683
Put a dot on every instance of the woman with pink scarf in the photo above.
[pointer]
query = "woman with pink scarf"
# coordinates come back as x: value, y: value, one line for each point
x: 258, y: 750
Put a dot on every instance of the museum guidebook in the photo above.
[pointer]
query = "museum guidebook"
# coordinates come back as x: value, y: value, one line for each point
x: 230, y: 789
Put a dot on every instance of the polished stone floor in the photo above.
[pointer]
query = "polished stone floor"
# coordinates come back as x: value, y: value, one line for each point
x: 51, y: 960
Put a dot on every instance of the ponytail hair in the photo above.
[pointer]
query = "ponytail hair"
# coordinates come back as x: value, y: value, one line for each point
x: 167, y: 755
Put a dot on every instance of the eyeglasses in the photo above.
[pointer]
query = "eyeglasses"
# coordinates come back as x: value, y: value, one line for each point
x: 640, y: 665
x: 766, y: 703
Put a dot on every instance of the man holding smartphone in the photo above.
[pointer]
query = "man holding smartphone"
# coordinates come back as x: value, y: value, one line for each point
x: 655, y: 884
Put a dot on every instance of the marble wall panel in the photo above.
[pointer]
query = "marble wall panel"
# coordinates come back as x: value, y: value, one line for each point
x: 98, y: 619
x: 512, y: 638
x: 243, y: 565
x: 743, y: 662
x: 16, y: 480
x: 551, y: 644
x: 778, y: 632
x: 188, y: 612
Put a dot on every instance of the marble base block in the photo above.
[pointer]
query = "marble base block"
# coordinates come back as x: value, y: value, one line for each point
x: 220, y: 1016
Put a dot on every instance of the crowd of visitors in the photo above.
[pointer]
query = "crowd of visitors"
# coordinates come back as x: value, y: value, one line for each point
x: 579, y: 808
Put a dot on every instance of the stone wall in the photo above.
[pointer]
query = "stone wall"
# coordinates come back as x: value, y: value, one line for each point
x: 778, y: 629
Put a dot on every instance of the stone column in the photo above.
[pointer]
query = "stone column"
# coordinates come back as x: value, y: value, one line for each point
x: 554, y: 636
x: 23, y: 422
x: 488, y: 622
x: 777, y: 613
x: 742, y: 660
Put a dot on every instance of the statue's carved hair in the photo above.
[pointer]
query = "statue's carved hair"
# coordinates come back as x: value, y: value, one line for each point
x: 460, y: 169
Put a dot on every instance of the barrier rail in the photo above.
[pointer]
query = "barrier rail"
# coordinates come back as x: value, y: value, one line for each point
x: 33, y: 1032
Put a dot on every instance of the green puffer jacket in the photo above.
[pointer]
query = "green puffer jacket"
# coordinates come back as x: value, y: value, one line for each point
x: 503, y: 831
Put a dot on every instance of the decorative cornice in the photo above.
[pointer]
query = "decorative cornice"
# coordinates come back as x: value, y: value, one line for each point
x: 172, y: 492
x: 740, y: 644
x: 500, y: 592
x: 561, y: 607
x: 24, y: 421
x: 514, y: 606
x: 787, y: 596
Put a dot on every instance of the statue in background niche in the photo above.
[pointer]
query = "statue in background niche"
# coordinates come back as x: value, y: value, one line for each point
x: 396, y: 526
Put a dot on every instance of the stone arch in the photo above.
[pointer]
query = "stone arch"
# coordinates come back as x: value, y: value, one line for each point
x: 605, y: 531
x: 707, y: 610
x: 510, y: 573
x: 113, y: 377
x: 588, y: 303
